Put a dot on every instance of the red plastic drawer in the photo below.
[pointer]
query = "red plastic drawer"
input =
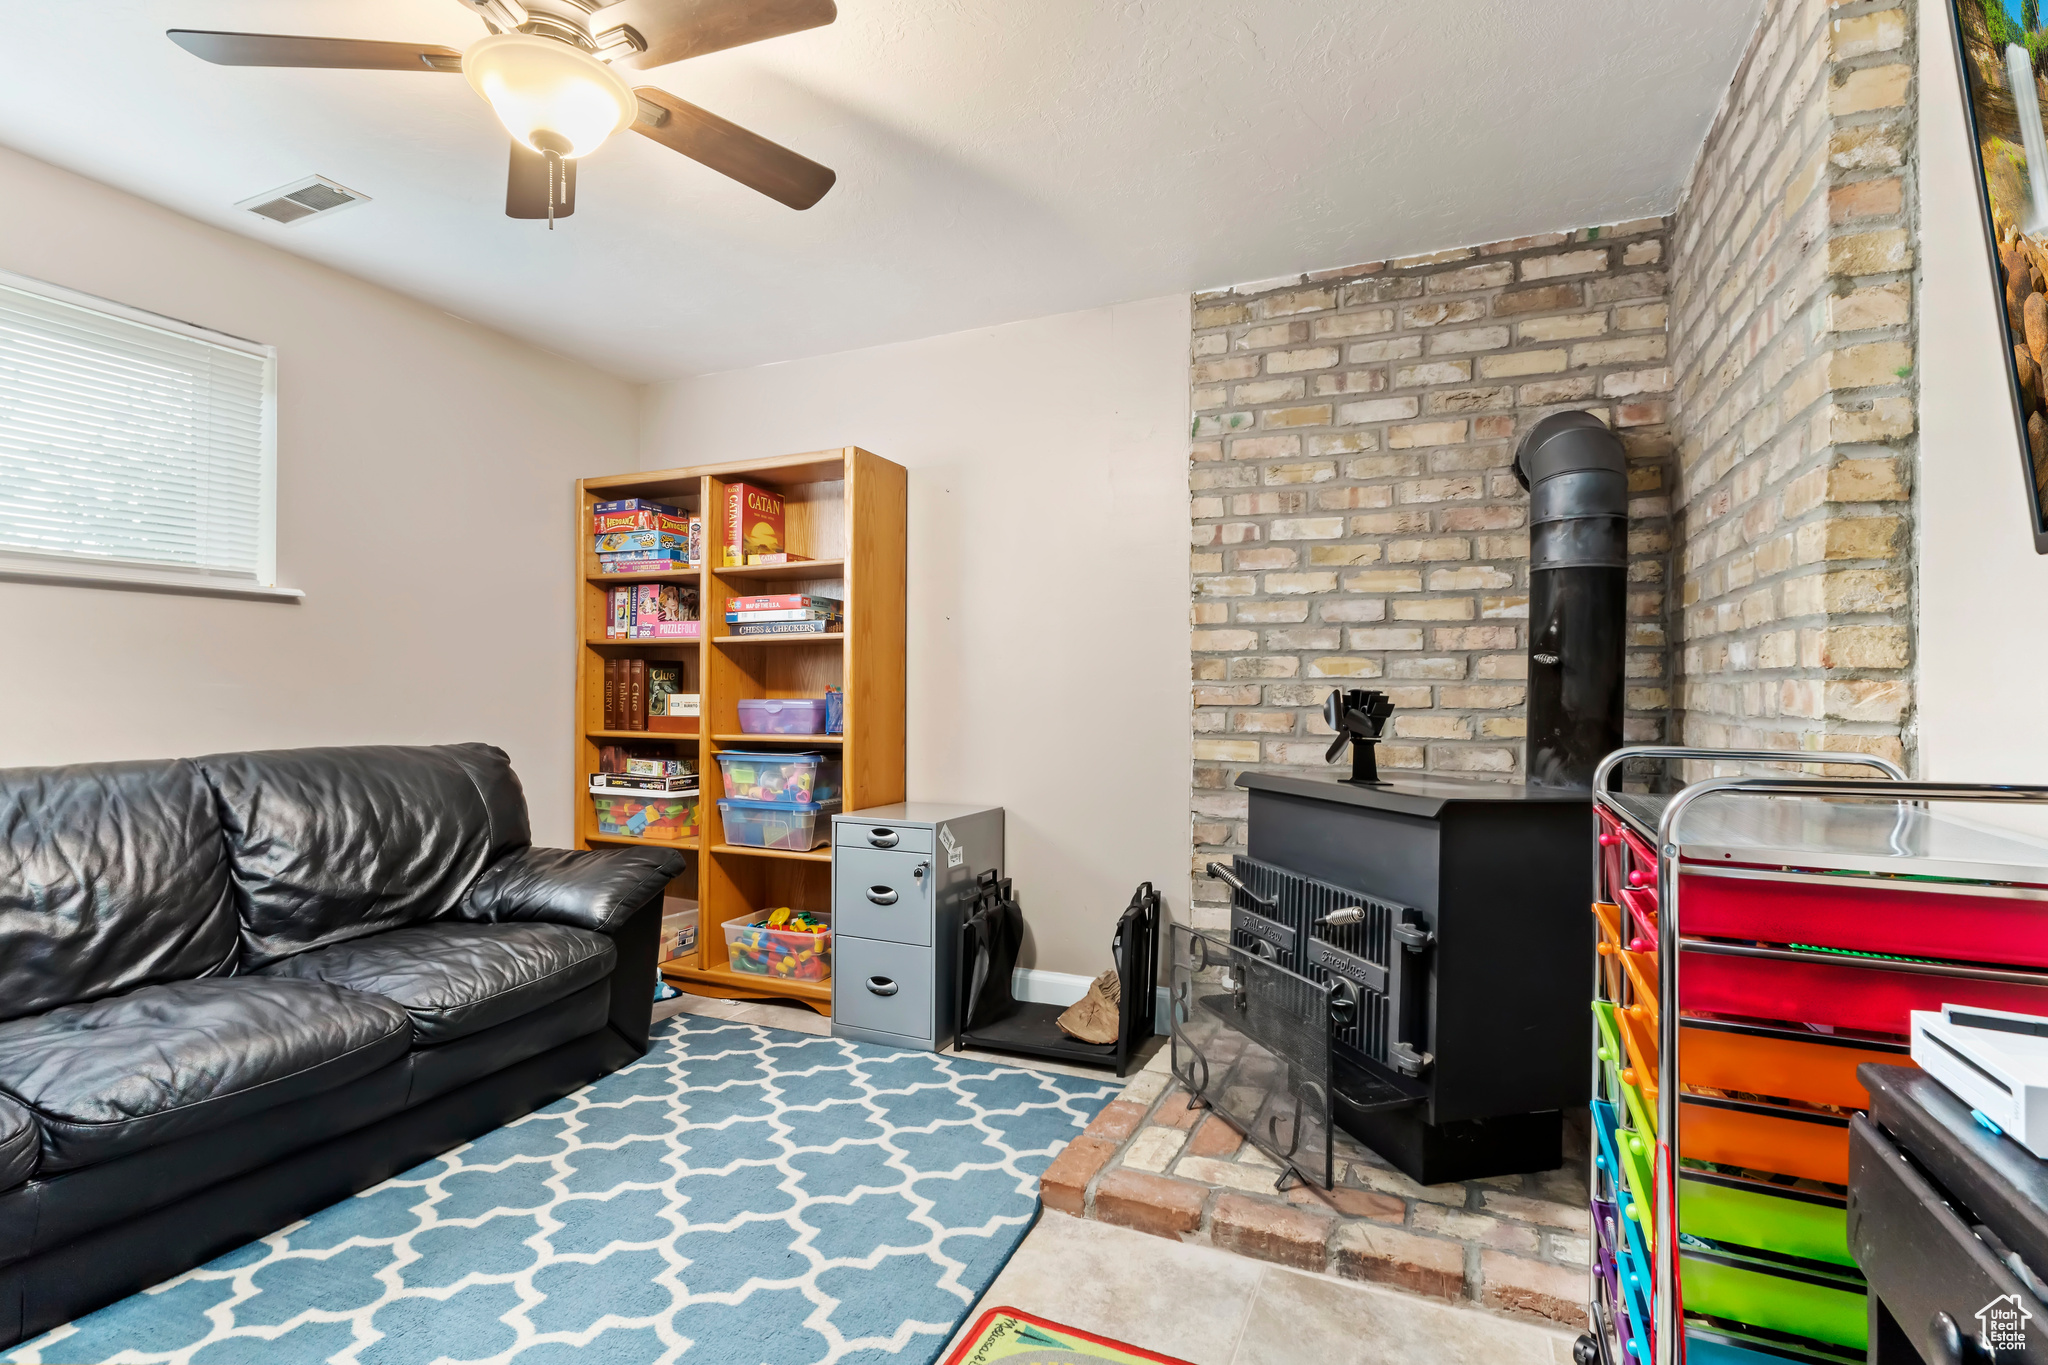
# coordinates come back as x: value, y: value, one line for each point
x: 1626, y: 861
x: 1867, y: 915
x: 1642, y: 914
x: 1762, y: 983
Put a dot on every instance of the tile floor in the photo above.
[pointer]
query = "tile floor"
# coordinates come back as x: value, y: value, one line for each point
x: 1208, y: 1307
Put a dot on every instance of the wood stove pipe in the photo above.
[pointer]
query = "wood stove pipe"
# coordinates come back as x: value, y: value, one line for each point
x: 1577, y: 476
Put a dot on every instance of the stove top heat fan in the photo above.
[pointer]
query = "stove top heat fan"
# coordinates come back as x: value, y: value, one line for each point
x: 1405, y: 959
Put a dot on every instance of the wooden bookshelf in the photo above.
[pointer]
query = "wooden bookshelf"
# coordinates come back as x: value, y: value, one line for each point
x: 849, y: 510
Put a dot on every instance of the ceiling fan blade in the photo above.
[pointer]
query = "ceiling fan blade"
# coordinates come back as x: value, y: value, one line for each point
x: 276, y: 49
x: 526, y: 187
x: 675, y: 29
x: 731, y: 150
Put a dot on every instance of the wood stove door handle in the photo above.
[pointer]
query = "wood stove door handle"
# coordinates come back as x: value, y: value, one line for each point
x: 1408, y: 1061
x: 1408, y: 978
x: 1413, y: 937
x: 1229, y: 879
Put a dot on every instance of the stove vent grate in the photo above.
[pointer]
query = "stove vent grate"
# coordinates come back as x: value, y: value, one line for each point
x: 1289, y: 930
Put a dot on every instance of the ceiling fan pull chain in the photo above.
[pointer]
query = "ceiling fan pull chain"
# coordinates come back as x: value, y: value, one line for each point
x: 554, y: 185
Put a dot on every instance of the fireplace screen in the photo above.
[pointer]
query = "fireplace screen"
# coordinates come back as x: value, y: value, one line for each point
x: 1251, y: 1039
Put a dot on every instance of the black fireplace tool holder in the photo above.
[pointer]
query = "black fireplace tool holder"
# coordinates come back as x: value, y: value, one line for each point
x: 1031, y: 1029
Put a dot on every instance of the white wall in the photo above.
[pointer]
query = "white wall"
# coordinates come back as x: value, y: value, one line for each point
x: 1048, y: 650
x: 425, y: 470
x: 1983, y: 592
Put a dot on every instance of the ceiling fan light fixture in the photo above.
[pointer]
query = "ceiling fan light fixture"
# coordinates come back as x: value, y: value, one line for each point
x: 538, y: 86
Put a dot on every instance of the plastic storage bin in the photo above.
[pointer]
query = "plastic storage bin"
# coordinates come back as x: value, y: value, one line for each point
x: 1868, y: 993
x: 1775, y: 1139
x: 1949, y: 921
x: 1810, y: 1303
x: 783, y: 716
x: 757, y: 949
x: 659, y: 817
x: 798, y: 779
x: 678, y: 928
x: 1733, y: 1212
x: 771, y: 824
x: 1786, y: 1063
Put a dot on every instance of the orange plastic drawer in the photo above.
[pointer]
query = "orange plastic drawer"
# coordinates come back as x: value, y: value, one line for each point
x: 1641, y: 1044
x: 1764, y: 1137
x: 1789, y: 1063
x: 1641, y: 969
x: 1610, y: 933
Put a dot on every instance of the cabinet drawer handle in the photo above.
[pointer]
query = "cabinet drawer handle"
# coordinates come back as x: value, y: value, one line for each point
x: 883, y: 838
x: 881, y: 985
x: 882, y: 895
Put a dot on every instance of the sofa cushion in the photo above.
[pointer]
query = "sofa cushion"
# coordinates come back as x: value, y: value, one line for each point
x: 20, y: 1144
x: 437, y: 1070
x: 333, y: 844
x: 112, y: 876
x: 109, y: 1077
x: 456, y: 979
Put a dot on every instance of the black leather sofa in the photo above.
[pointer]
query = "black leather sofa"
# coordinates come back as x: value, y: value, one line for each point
x: 236, y: 989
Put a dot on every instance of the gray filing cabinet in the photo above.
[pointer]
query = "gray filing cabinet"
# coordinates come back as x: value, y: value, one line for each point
x: 902, y: 879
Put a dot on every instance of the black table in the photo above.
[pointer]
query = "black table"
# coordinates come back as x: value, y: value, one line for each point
x: 1949, y: 1222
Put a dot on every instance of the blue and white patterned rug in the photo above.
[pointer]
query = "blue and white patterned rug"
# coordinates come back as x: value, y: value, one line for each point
x: 740, y: 1196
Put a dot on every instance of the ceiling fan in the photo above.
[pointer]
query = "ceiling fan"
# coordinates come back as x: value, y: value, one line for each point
x: 550, y: 71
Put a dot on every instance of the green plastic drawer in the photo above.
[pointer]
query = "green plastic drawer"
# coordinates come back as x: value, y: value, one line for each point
x: 1640, y: 1111
x: 1635, y: 1164
x: 1807, y: 1302
x: 1813, y: 1227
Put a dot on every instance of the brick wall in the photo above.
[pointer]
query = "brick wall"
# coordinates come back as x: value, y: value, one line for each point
x: 1355, y: 518
x: 1793, y: 348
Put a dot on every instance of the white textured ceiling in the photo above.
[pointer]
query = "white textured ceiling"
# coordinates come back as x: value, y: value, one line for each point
x: 997, y: 159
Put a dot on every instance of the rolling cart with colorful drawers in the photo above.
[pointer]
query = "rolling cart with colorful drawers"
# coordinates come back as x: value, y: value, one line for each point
x: 1758, y: 939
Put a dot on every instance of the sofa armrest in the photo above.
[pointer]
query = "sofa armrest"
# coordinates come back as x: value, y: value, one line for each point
x: 598, y: 889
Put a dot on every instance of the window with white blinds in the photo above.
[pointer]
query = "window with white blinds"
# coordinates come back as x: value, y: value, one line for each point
x: 132, y: 447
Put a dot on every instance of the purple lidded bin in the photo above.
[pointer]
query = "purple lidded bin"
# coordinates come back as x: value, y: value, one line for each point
x: 783, y: 716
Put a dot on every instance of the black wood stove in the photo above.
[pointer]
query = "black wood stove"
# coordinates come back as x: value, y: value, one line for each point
x: 1446, y: 921
x: 1406, y: 957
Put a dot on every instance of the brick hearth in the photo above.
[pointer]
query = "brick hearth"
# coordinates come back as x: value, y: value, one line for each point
x: 1516, y: 1243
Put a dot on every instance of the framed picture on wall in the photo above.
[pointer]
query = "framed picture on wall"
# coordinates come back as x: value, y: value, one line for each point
x: 2003, y: 50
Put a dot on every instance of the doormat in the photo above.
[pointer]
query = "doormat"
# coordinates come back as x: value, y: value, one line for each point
x: 1010, y: 1334
x: 739, y: 1196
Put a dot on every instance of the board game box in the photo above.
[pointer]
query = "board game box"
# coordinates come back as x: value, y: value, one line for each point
x: 644, y: 542
x: 753, y: 523
x: 611, y: 523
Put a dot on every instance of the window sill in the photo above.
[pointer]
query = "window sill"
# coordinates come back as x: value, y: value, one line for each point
x: 124, y: 578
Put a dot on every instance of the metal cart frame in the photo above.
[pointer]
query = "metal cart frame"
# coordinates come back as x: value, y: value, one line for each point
x: 1667, y: 1324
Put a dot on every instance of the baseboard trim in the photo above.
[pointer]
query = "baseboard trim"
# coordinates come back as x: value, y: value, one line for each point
x: 1064, y: 988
